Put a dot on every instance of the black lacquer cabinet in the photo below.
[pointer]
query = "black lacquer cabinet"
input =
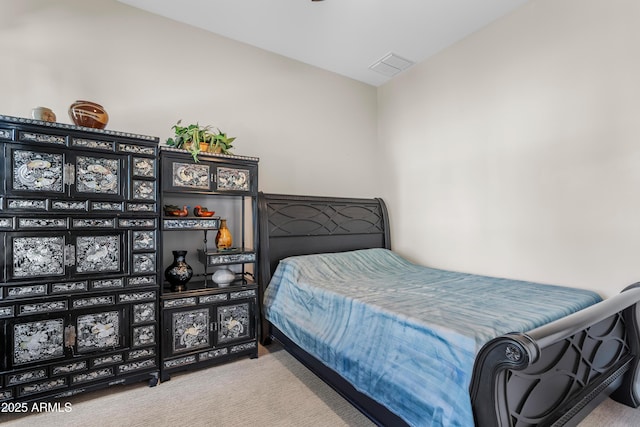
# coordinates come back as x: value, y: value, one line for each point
x: 79, y: 285
x: 208, y: 323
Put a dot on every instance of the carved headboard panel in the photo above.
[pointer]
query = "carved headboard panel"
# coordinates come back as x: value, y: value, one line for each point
x: 300, y: 225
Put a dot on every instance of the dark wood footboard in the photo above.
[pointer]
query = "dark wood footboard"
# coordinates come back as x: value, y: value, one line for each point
x: 556, y: 374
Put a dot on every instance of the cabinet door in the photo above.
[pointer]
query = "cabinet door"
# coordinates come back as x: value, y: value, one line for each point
x: 143, y: 182
x: 184, y: 175
x: 35, y: 339
x: 100, y: 330
x: 143, y: 256
x: 38, y: 255
x: 189, y: 329
x: 237, y: 179
x: 98, y: 176
x: 35, y: 170
x: 144, y: 167
x: 59, y: 254
x: 209, y: 176
x: 234, y: 322
x: 100, y: 253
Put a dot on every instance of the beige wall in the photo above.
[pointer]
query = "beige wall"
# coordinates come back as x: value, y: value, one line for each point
x: 313, y: 130
x: 513, y: 153
x: 516, y: 152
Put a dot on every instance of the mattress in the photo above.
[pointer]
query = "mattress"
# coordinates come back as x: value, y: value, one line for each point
x: 404, y: 334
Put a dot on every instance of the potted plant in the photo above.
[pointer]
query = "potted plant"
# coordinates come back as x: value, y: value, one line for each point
x: 220, y: 142
x: 196, y: 139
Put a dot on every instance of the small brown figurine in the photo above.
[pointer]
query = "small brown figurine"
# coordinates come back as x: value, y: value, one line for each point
x: 204, y: 212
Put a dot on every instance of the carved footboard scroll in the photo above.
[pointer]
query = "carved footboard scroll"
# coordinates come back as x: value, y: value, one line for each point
x: 555, y: 374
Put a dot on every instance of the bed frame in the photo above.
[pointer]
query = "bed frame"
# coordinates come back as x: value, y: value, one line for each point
x: 553, y: 375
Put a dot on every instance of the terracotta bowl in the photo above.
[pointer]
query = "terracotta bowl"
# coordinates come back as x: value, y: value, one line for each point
x: 88, y: 114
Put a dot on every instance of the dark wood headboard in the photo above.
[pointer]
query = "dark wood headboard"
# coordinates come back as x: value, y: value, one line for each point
x: 301, y: 225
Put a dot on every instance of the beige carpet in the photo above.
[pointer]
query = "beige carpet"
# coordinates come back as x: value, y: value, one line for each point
x: 273, y: 390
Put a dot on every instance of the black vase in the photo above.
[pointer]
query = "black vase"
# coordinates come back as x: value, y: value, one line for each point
x: 179, y: 272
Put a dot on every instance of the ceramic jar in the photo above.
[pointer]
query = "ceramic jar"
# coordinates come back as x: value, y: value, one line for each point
x: 43, y: 113
x: 223, y: 277
x: 88, y: 114
x: 179, y: 272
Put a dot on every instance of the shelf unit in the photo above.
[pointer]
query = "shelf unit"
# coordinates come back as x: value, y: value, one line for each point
x: 206, y: 323
x: 79, y: 285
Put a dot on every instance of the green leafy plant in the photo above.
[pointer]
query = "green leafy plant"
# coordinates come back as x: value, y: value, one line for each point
x: 194, y: 137
x: 221, y: 143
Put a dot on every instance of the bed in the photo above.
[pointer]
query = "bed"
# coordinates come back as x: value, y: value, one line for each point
x: 554, y: 373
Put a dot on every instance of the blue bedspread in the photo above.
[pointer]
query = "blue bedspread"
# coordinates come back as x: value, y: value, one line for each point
x: 404, y: 334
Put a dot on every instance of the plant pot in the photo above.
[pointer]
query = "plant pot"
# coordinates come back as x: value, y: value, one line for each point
x: 206, y: 148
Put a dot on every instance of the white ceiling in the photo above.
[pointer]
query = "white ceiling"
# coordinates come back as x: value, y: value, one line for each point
x: 343, y: 36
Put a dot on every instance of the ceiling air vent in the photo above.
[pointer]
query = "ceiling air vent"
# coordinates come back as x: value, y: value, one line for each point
x: 391, y: 65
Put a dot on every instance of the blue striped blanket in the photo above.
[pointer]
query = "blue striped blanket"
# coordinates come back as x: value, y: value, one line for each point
x: 406, y: 335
